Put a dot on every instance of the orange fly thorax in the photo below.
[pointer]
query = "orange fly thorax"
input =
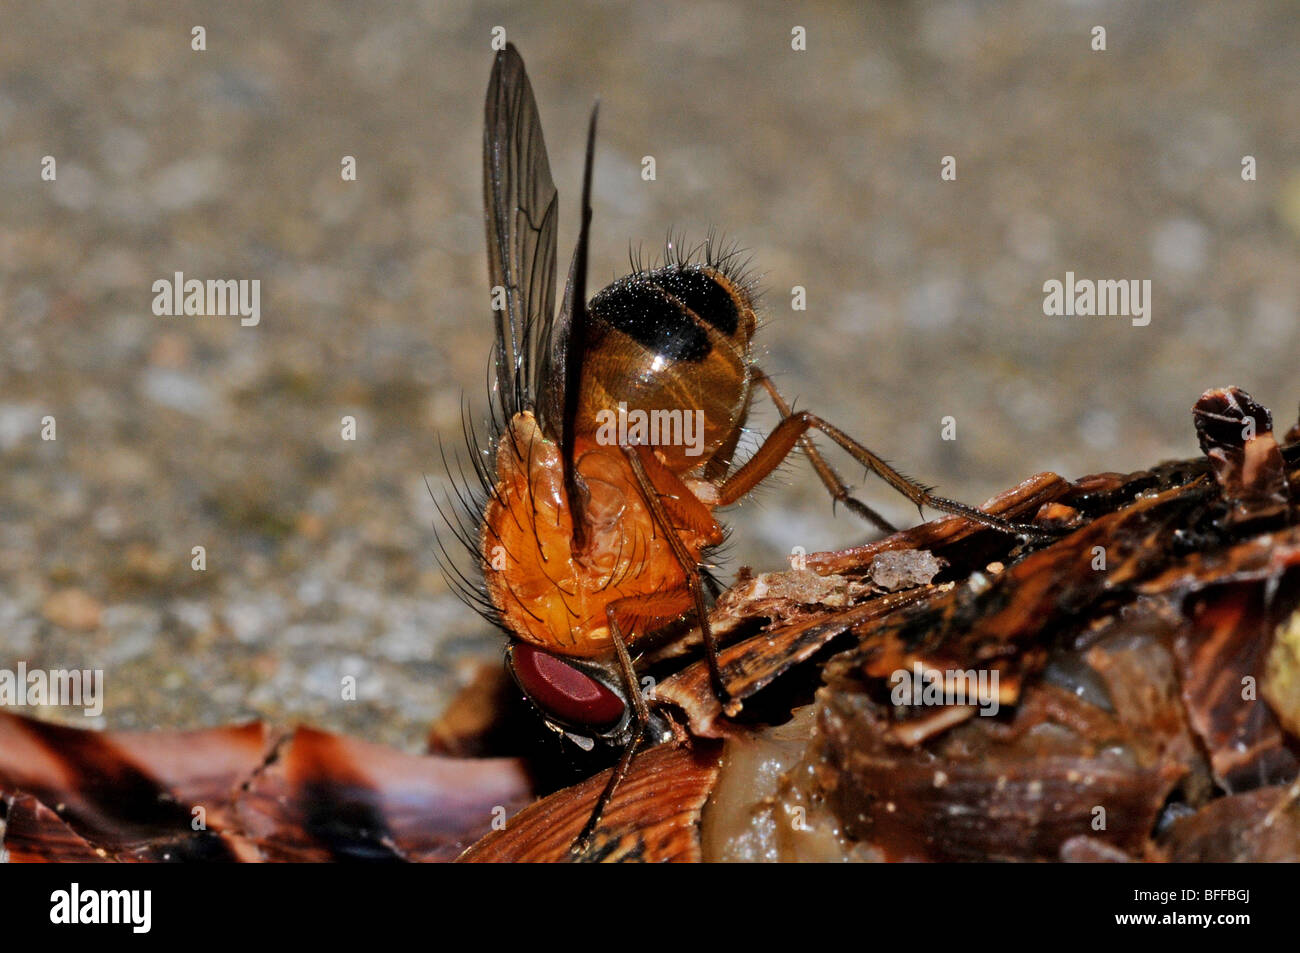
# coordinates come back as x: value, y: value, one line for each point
x: 554, y: 597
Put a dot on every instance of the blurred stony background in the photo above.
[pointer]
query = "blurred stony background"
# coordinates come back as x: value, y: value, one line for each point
x: 924, y: 297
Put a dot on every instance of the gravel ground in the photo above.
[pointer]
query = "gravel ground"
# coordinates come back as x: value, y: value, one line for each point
x: 924, y: 297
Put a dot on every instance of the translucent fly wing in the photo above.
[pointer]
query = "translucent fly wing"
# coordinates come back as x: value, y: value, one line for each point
x: 561, y: 349
x: 520, y: 203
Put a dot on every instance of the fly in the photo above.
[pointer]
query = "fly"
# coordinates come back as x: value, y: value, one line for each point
x: 595, y: 526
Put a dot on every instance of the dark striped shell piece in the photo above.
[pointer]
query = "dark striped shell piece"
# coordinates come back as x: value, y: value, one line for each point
x: 308, y: 796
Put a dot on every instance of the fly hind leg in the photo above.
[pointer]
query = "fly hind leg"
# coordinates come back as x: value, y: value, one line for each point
x: 793, y: 431
x: 835, y: 486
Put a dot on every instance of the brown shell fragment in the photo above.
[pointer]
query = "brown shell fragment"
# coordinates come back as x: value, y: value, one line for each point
x: 1260, y: 826
x: 1236, y: 433
x: 1088, y: 850
x: 470, y: 727
x: 977, y: 796
x: 1222, y: 653
x: 653, y: 818
x: 753, y: 664
x: 1017, y: 503
x: 329, y: 797
x: 239, y: 794
x: 34, y: 834
x: 135, y: 796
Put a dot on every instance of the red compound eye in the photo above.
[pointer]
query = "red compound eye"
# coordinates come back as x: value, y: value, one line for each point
x: 572, y: 697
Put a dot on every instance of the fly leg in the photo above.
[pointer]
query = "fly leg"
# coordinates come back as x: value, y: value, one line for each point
x: 694, y: 579
x: 794, y: 427
x: 640, y: 721
x: 837, y: 488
